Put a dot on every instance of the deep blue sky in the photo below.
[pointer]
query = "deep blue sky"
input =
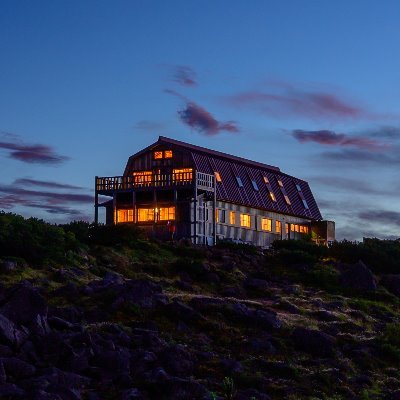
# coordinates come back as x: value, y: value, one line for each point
x: 309, y: 86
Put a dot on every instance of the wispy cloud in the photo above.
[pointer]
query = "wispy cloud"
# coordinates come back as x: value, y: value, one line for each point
x: 381, y: 216
x: 201, y: 120
x: 285, y: 100
x: 185, y: 75
x: 149, y: 126
x: 330, y: 138
x: 46, y: 184
x: 33, y: 154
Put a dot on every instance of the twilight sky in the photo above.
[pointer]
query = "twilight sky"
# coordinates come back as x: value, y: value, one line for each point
x: 312, y: 87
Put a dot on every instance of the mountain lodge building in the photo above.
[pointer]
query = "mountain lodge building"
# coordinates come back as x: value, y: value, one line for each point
x: 177, y: 190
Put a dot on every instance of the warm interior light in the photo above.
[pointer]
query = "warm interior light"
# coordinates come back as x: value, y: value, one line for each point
x: 168, y: 154
x: 158, y: 155
x: 182, y: 174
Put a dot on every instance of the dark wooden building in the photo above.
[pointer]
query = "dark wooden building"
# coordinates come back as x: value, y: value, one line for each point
x: 175, y: 189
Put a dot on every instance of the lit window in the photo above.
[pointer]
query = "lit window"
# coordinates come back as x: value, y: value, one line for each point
x: 124, y: 216
x: 168, y: 154
x: 303, y: 229
x: 280, y: 183
x: 166, y: 213
x: 239, y: 181
x: 287, y: 199
x: 296, y: 228
x: 269, y: 187
x: 145, y: 214
x: 216, y: 215
x: 266, y: 224
x: 287, y: 228
x: 217, y: 176
x: 232, y: 217
x: 142, y: 177
x: 278, y: 226
x: 245, y: 220
x: 182, y: 175
x: 158, y: 155
x: 255, y: 187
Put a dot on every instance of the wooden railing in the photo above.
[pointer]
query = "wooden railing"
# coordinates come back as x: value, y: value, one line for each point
x: 126, y: 183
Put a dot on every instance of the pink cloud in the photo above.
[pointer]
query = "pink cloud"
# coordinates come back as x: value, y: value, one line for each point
x: 200, y: 119
x: 330, y: 138
x: 286, y: 101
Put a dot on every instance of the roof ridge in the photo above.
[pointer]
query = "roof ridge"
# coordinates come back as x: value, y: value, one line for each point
x: 217, y: 153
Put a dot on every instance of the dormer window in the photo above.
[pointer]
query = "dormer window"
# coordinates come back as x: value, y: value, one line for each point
x: 255, y: 186
x: 158, y: 155
x: 168, y: 154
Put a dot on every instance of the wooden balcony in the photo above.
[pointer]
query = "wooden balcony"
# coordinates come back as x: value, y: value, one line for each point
x: 109, y: 185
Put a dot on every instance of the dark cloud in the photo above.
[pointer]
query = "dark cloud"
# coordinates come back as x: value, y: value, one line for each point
x: 285, y: 101
x: 47, y: 184
x: 53, y: 209
x: 33, y: 154
x: 330, y: 138
x: 200, y: 119
x: 381, y: 217
x: 389, y: 132
x: 185, y: 75
x: 51, y: 197
x: 352, y: 156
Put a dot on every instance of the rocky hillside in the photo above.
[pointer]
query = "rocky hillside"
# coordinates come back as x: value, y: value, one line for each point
x: 103, y: 313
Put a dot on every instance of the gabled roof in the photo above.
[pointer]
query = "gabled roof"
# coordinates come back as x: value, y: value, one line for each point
x: 254, y: 191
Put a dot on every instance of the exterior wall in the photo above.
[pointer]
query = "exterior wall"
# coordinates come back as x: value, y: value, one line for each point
x: 254, y: 234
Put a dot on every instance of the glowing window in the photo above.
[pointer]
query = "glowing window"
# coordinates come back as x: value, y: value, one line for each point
x: 239, y: 181
x: 217, y: 176
x: 166, y: 213
x: 145, y: 214
x: 142, y: 177
x: 158, y: 155
x: 287, y: 199
x: 271, y: 194
x: 255, y: 187
x: 278, y: 226
x: 124, y: 216
x: 269, y: 187
x: 182, y: 175
x: 245, y: 220
x: 168, y: 154
x: 216, y: 215
x: 266, y: 224
x: 280, y: 183
x: 232, y: 217
x: 266, y: 180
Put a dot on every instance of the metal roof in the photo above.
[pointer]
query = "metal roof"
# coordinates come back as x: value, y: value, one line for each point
x: 232, y: 167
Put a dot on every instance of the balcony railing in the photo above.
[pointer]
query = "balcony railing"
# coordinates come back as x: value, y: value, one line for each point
x: 107, y: 185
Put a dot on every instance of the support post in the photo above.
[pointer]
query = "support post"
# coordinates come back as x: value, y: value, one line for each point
x: 96, y: 202
x: 115, y: 214
x: 134, y: 205
x: 195, y: 211
x: 214, y: 213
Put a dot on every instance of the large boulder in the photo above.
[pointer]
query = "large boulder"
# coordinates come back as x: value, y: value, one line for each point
x: 357, y: 276
x: 314, y: 342
x: 9, y: 334
x: 391, y: 283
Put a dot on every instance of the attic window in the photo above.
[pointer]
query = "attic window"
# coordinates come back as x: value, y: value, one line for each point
x: 239, y: 181
x: 280, y: 183
x: 159, y: 155
x: 287, y: 199
x: 217, y: 176
x: 298, y: 187
x: 255, y: 187
x: 266, y: 180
